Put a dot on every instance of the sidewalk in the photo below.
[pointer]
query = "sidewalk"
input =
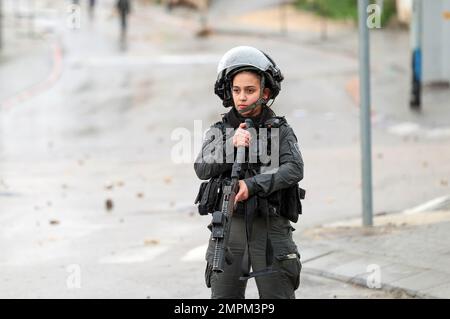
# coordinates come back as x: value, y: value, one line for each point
x: 406, y: 254
x: 277, y: 20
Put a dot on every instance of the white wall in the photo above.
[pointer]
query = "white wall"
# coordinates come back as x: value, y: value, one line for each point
x: 435, y: 41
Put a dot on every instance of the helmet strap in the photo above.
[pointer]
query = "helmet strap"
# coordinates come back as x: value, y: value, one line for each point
x: 261, y: 100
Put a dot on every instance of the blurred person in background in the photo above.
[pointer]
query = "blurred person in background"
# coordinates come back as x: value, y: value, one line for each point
x: 124, y: 8
x: 91, y: 8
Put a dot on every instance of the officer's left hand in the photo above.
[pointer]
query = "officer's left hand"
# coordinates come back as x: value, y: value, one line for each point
x: 242, y: 193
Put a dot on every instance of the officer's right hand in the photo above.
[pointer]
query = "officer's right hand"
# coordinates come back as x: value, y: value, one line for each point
x: 242, y: 194
x: 241, y: 136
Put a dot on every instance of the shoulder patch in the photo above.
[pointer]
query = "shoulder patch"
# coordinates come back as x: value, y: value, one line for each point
x: 217, y: 124
x: 275, y: 121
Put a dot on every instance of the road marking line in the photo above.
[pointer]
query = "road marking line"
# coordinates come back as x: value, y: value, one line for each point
x: 404, y: 129
x: 196, y: 254
x: 428, y: 206
x: 438, y: 132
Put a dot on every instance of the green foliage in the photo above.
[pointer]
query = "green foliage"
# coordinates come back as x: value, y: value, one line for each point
x: 344, y: 9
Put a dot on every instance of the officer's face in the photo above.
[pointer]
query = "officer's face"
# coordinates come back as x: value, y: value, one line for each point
x: 246, y: 91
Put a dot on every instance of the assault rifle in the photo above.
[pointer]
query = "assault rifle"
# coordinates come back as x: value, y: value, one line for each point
x: 221, y: 220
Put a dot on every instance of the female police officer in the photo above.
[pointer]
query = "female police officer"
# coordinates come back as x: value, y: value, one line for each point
x: 247, y: 80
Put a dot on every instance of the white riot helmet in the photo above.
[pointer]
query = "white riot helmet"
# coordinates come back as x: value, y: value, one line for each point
x: 246, y: 58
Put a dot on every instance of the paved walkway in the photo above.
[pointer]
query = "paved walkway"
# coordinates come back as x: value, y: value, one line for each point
x: 406, y: 253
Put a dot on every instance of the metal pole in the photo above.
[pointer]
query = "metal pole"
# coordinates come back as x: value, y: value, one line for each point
x: 364, y: 78
x: 1, y: 24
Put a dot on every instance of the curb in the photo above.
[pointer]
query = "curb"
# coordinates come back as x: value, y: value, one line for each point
x: 345, y: 265
x: 362, y: 283
x: 39, y: 87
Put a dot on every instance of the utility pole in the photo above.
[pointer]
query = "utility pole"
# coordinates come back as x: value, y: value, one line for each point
x: 364, y: 88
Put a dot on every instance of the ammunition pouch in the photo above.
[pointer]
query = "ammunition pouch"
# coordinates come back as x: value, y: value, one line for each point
x: 209, y: 195
x: 286, y: 203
